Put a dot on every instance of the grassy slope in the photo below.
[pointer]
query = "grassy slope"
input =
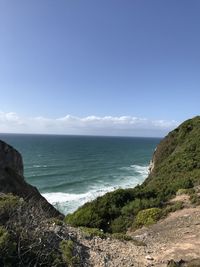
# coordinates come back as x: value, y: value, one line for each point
x: 177, y: 165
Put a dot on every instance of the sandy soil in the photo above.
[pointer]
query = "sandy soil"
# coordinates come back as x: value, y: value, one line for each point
x: 175, y: 237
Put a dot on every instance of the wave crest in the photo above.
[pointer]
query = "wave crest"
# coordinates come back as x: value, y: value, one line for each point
x: 69, y: 202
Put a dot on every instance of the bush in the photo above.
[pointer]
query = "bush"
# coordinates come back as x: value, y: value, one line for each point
x: 7, y: 247
x: 92, y: 232
x: 181, y: 192
x: 122, y: 237
x: 55, y: 221
x: 8, y: 202
x: 67, y: 250
x: 37, y: 237
x: 147, y: 217
x: 195, y: 199
x: 172, y: 208
x: 102, y: 211
x: 119, y: 225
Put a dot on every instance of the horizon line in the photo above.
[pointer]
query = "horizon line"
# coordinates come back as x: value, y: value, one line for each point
x: 83, y: 135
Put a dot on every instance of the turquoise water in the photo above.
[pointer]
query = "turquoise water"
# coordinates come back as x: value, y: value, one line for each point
x: 70, y: 170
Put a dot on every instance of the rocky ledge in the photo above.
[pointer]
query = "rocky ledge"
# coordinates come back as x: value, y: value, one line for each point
x: 12, y: 179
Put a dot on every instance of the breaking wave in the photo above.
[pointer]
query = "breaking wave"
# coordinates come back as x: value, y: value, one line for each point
x: 69, y: 202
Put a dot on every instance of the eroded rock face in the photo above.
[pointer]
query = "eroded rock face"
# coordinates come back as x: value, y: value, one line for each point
x: 10, y: 158
x: 12, y: 179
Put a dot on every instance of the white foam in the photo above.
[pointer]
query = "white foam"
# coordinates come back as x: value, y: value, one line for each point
x: 62, y: 197
x: 39, y: 166
x: 143, y: 170
x: 69, y: 202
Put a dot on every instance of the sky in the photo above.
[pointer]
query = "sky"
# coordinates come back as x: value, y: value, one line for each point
x: 103, y: 67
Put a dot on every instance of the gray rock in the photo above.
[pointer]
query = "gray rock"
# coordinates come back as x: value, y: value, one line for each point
x: 12, y: 180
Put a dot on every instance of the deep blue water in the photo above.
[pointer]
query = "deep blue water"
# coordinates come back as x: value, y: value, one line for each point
x: 70, y: 170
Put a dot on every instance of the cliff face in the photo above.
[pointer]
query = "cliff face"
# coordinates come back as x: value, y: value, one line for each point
x: 12, y: 179
x: 178, y: 155
x: 10, y: 158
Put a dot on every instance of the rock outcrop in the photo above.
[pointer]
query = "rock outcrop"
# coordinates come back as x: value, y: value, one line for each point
x: 12, y: 179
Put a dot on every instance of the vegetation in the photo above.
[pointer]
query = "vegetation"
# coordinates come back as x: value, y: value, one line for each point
x: 7, y: 247
x: 89, y: 233
x: 67, y: 248
x: 28, y: 238
x: 182, y: 263
x: 182, y: 191
x: 177, y: 166
x: 172, y: 207
x: 195, y: 199
x: 147, y: 217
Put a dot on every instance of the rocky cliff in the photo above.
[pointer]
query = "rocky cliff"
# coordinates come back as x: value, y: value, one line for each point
x: 32, y: 232
x: 12, y: 179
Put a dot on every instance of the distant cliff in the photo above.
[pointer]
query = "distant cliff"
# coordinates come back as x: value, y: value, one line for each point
x: 12, y: 179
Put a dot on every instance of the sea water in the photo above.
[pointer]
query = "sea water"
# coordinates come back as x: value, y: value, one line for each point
x: 71, y: 170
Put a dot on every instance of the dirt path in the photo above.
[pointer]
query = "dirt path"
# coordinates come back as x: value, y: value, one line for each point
x: 175, y: 237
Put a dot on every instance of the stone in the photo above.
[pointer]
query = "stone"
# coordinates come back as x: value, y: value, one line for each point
x: 149, y: 257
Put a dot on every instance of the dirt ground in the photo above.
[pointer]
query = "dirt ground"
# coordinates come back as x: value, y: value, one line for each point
x: 175, y: 237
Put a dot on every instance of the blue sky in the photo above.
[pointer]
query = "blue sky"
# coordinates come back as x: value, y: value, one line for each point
x: 94, y: 60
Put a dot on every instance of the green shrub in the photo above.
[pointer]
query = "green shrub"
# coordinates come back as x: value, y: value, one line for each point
x: 55, y: 221
x: 187, y: 191
x: 195, y: 199
x: 67, y: 250
x: 181, y: 192
x: 172, y: 208
x: 8, y: 201
x: 7, y: 247
x: 119, y: 225
x: 92, y: 232
x: 83, y: 217
x: 102, y: 211
x: 147, y: 217
x: 138, y: 204
x: 122, y: 237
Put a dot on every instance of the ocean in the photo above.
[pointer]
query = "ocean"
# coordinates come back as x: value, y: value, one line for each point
x: 71, y: 170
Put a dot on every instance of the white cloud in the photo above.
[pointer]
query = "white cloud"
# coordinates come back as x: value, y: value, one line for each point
x: 108, y: 125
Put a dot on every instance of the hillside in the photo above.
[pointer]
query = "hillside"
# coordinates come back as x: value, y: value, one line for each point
x: 172, y: 242
x: 32, y: 232
x: 153, y: 224
x: 175, y: 165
